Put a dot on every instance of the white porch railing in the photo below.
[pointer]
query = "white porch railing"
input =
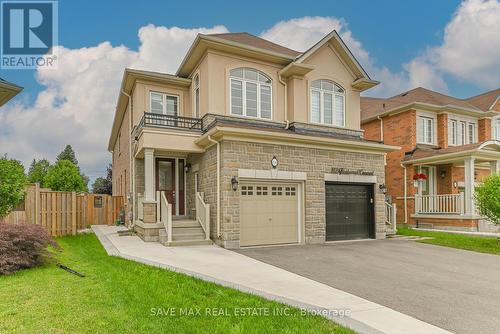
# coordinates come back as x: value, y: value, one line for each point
x: 440, y: 204
x: 203, y: 214
x: 390, y: 217
x: 166, y: 215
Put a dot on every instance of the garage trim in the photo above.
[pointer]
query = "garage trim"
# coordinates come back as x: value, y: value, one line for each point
x: 350, y: 178
x: 272, y: 174
x: 300, y: 198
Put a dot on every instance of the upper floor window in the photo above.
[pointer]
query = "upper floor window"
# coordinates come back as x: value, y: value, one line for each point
x: 251, y: 93
x: 452, y: 132
x: 161, y: 103
x: 461, y: 132
x: 196, y: 96
x: 496, y: 129
x: 425, y: 130
x: 327, y: 103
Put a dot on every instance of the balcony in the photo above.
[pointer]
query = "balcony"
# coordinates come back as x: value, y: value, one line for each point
x: 170, y: 121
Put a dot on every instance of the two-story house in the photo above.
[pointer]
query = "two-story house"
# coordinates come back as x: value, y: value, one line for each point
x: 249, y: 143
x: 448, y: 145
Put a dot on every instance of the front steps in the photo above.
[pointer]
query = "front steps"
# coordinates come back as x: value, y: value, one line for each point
x: 185, y: 232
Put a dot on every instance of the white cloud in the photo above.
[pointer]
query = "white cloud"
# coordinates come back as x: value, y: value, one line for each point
x: 302, y: 33
x: 471, y: 44
x: 469, y: 51
x: 77, y: 104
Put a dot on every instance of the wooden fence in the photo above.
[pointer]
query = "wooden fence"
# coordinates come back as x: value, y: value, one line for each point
x: 64, y: 213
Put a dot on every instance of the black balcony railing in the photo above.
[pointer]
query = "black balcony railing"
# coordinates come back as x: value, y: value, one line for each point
x: 170, y: 121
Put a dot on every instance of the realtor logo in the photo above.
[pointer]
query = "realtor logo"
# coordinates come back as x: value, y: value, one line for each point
x: 29, y: 31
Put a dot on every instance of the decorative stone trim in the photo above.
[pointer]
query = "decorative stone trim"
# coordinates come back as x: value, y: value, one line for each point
x: 273, y: 174
x: 351, y: 178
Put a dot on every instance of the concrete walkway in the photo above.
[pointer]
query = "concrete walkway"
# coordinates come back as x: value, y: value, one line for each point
x: 227, y: 268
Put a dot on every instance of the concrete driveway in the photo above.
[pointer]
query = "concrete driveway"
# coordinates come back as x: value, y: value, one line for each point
x: 454, y: 289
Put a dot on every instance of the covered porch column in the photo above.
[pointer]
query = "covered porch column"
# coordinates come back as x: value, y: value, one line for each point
x: 469, y: 163
x: 495, y: 166
x: 149, y: 204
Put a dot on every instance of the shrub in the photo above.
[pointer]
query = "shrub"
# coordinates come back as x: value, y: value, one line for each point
x: 488, y: 198
x: 64, y: 176
x: 12, y: 183
x: 23, y: 246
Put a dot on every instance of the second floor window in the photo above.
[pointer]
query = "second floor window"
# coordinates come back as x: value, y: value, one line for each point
x: 327, y: 103
x: 497, y: 129
x: 425, y: 130
x: 251, y: 93
x: 461, y: 132
x: 162, y: 103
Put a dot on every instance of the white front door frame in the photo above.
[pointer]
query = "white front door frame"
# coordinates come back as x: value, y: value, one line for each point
x: 176, y: 171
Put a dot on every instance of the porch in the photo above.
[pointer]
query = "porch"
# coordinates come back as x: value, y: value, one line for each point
x: 443, y: 183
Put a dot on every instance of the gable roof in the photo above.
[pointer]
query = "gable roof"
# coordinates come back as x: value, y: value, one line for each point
x: 486, y: 100
x: 249, y: 45
x: 257, y: 42
x: 7, y: 91
x: 373, y: 107
x: 423, y: 154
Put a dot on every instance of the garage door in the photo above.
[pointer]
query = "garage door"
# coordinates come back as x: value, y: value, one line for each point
x: 268, y: 214
x: 349, y: 210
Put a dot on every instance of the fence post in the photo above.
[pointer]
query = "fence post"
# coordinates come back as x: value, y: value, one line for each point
x: 37, y: 204
x: 73, y: 213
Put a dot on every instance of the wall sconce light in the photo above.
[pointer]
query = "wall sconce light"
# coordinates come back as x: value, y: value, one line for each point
x: 187, y: 168
x: 234, y: 183
x: 455, y: 184
x: 443, y: 174
x: 382, y: 188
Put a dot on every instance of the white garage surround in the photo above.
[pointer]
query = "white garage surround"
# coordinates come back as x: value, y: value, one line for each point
x: 275, y: 176
x: 350, y: 178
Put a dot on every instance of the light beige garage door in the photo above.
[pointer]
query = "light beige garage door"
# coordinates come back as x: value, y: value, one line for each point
x: 268, y: 214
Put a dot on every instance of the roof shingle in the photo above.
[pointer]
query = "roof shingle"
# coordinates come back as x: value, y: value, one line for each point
x: 257, y: 42
x: 371, y: 107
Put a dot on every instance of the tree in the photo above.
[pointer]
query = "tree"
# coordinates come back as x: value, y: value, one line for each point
x: 38, y: 170
x: 68, y: 154
x: 64, y: 176
x: 104, y: 185
x: 12, y: 184
x: 488, y: 198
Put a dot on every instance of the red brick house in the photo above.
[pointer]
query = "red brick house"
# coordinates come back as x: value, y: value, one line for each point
x: 448, y: 145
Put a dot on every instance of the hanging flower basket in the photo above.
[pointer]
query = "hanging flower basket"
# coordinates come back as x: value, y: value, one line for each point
x: 418, y: 178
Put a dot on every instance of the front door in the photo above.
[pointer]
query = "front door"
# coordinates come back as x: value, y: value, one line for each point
x: 170, y: 179
x: 165, y: 179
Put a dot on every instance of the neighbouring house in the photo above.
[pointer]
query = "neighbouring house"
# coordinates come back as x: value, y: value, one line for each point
x: 249, y: 143
x: 7, y: 91
x: 448, y: 145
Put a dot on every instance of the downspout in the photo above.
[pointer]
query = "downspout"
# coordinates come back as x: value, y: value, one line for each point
x: 381, y: 129
x: 405, y: 194
x: 287, y: 122
x: 218, y: 183
x: 131, y: 158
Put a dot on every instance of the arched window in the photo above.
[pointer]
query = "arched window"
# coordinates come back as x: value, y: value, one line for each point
x: 196, y: 93
x: 327, y: 103
x: 251, y: 93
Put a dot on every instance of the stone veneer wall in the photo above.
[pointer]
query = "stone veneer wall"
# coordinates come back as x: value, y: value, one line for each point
x: 315, y: 162
x: 207, y: 181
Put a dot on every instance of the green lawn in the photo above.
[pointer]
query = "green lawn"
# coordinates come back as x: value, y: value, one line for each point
x: 120, y: 296
x: 472, y: 243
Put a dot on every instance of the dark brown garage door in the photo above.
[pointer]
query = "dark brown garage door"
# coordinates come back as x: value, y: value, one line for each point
x: 349, y: 211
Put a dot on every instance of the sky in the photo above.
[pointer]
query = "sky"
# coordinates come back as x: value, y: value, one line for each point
x: 448, y: 46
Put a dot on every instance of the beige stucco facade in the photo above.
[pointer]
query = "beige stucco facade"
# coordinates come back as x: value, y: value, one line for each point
x: 218, y: 148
